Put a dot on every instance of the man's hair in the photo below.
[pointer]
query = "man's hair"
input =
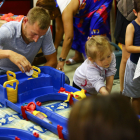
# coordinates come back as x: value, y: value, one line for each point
x: 39, y: 15
x: 97, y: 45
x: 103, y: 117
x: 137, y: 5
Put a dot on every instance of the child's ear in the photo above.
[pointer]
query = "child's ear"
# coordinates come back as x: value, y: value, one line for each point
x: 135, y: 13
x: 89, y: 58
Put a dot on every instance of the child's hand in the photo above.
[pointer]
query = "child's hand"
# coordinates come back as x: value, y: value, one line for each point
x: 103, y: 91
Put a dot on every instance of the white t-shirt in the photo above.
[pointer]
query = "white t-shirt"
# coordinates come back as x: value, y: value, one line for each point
x: 63, y: 4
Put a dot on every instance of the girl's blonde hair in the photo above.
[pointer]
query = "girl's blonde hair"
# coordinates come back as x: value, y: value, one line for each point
x: 98, y: 45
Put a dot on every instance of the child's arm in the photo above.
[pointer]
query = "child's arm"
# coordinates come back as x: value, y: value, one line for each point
x: 109, y: 83
x: 129, y: 40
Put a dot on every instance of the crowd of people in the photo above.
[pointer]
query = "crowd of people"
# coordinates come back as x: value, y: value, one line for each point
x: 85, y: 24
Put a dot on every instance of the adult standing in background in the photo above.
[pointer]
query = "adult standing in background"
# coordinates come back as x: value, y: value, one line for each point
x: 77, y: 19
x: 124, y: 16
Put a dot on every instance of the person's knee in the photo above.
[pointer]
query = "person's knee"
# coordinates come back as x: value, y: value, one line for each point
x: 128, y: 98
x: 136, y: 100
x: 67, y: 81
x: 136, y: 105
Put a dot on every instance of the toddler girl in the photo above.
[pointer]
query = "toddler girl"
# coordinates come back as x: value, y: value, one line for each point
x: 99, y: 66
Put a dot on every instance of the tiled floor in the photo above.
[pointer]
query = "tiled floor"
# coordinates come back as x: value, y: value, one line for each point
x: 69, y: 71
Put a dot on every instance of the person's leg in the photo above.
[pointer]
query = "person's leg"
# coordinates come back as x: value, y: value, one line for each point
x: 128, y: 98
x: 77, y: 58
x: 74, y: 85
x: 119, y: 34
x: 67, y: 80
x: 136, y: 105
x: 2, y: 72
x: 125, y: 56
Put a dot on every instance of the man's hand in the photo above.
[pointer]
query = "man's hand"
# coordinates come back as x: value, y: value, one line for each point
x: 20, y: 60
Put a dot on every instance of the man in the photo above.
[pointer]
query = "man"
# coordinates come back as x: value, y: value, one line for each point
x: 21, y: 41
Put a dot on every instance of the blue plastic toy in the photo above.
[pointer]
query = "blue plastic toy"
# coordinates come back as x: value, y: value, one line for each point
x: 16, y: 134
x: 38, y: 90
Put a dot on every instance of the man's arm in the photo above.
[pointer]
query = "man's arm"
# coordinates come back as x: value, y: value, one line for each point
x: 17, y: 59
x: 48, y: 50
x: 51, y: 60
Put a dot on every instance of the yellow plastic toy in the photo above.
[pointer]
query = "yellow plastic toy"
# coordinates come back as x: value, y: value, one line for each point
x: 10, y: 76
x: 36, y: 72
x: 41, y: 116
x: 77, y: 95
x: 11, y: 92
x: 68, y: 97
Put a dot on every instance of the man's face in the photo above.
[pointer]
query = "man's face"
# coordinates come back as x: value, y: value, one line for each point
x: 32, y: 33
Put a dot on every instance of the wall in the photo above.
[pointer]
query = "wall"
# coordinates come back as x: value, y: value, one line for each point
x: 17, y: 7
x: 34, y: 2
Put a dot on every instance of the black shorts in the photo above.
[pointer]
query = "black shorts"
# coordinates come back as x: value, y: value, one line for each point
x: 120, y: 28
x: 2, y: 72
x: 74, y: 85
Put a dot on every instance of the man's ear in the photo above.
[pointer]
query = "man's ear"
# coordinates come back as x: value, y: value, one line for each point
x: 135, y: 13
x: 25, y: 20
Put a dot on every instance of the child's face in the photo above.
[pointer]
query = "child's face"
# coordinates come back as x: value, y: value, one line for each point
x: 104, y: 61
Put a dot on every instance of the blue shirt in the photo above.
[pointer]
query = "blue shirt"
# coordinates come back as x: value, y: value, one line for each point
x: 11, y: 39
x: 134, y: 57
